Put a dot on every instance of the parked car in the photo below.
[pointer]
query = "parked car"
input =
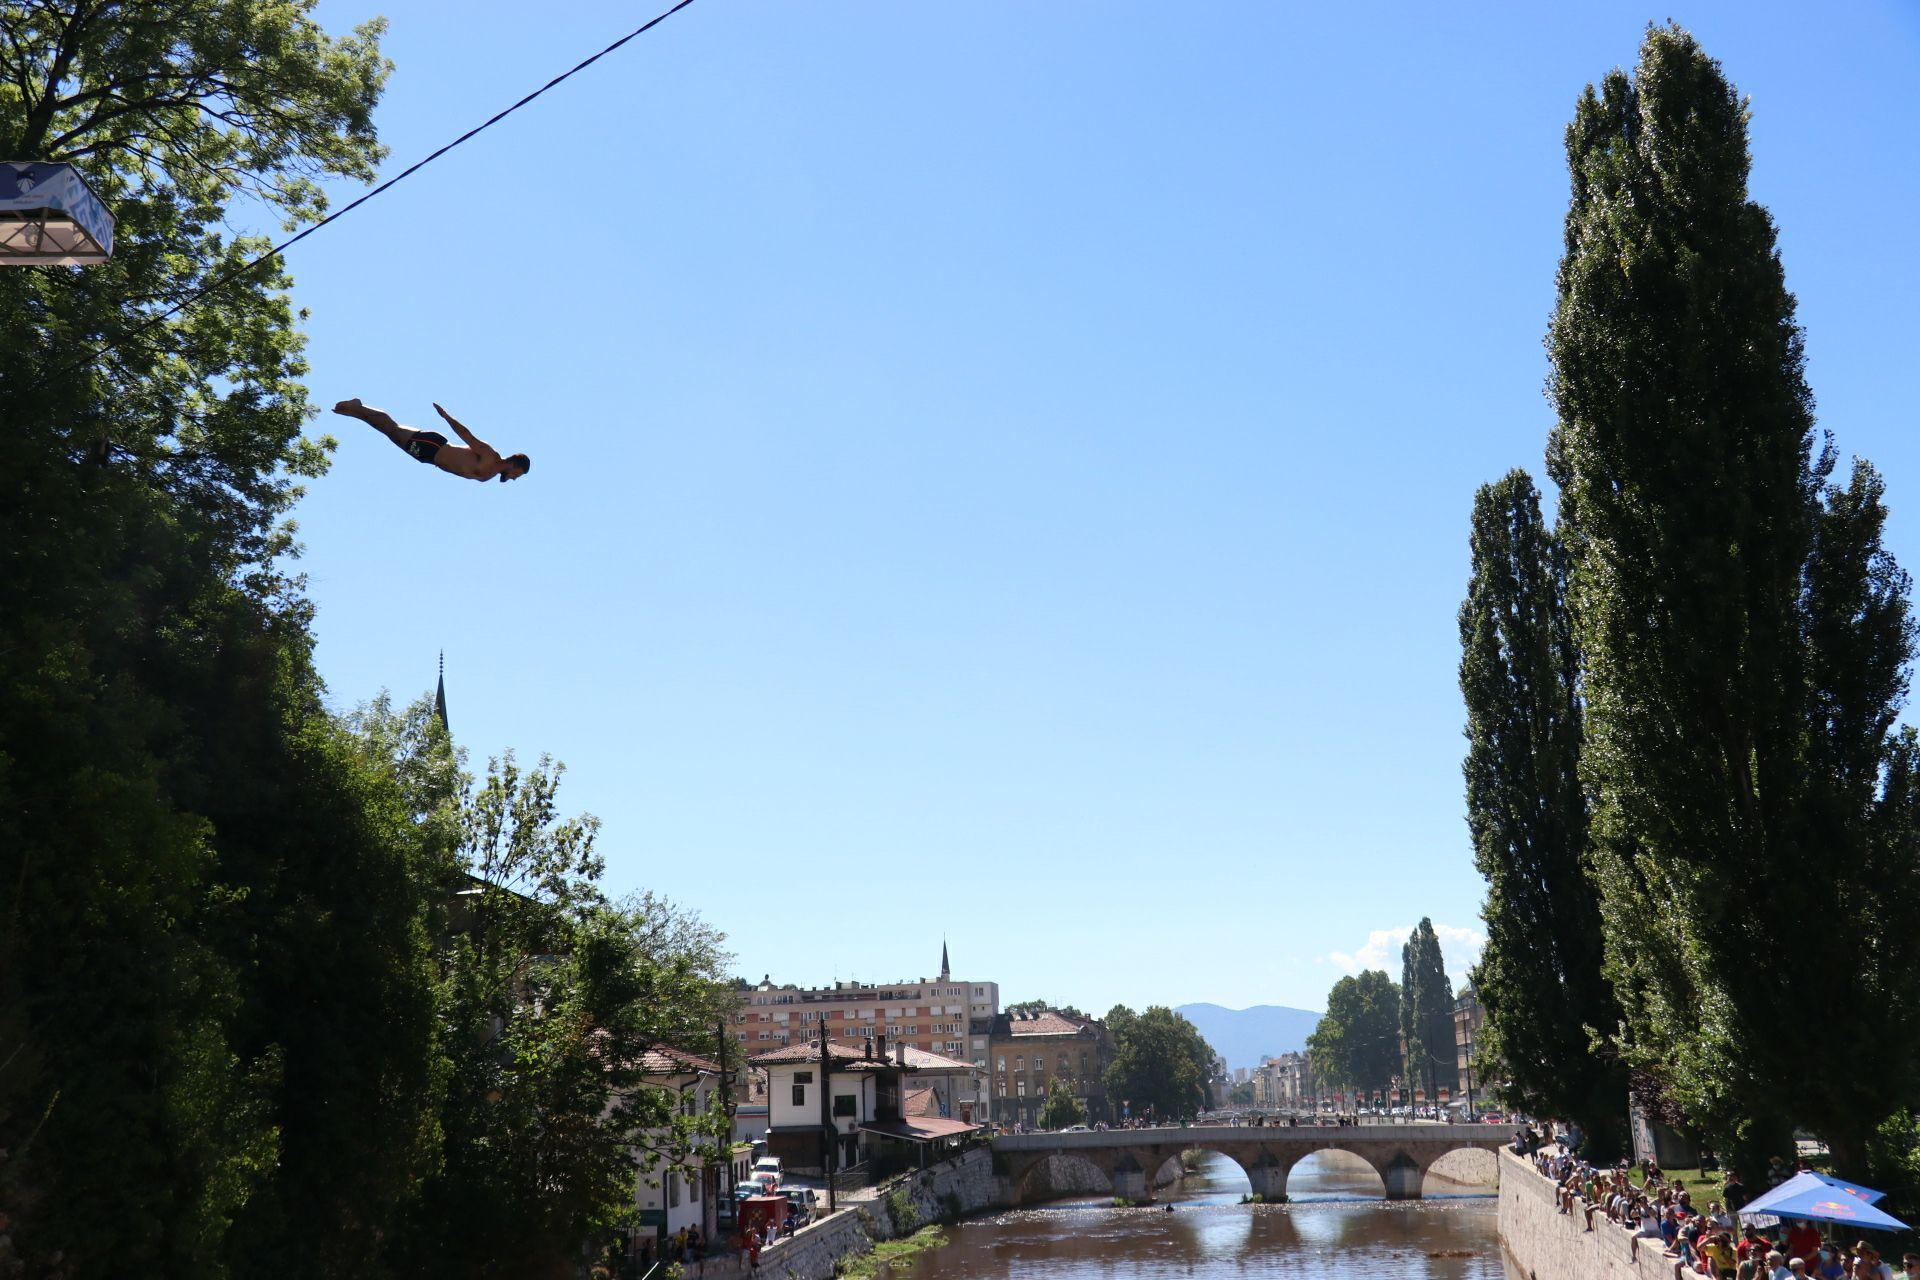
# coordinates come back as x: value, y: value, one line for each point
x: 767, y: 1182
x: 1076, y: 1128
x: 768, y: 1164
x: 742, y: 1190
x: 802, y: 1201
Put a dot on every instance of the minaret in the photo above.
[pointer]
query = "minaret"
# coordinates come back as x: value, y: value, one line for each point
x: 946, y: 970
x: 440, y: 695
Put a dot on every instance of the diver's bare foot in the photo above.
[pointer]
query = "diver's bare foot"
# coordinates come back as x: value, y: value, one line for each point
x: 351, y: 408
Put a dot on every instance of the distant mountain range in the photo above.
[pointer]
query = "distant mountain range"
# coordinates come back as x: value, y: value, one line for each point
x: 1244, y: 1036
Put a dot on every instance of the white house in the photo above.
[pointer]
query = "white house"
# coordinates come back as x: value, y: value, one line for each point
x: 684, y: 1192
x: 823, y: 1093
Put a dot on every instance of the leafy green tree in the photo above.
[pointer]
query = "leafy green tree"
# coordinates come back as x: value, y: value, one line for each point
x: 1160, y: 1062
x: 1744, y: 636
x: 1539, y: 977
x: 547, y: 995
x: 1061, y: 1108
x: 1241, y: 1095
x: 214, y: 976
x: 1426, y: 1011
x: 1356, y: 1044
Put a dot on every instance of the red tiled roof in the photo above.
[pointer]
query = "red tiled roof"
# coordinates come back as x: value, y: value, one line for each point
x: 1047, y: 1022
x: 921, y: 1102
x: 920, y: 1128
x: 664, y: 1060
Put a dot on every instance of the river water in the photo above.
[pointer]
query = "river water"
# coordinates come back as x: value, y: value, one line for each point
x: 1335, y: 1225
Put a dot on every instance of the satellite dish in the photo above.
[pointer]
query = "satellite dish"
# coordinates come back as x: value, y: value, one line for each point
x: 49, y: 217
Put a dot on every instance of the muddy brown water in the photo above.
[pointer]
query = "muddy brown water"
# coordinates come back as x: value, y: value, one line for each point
x: 1335, y: 1225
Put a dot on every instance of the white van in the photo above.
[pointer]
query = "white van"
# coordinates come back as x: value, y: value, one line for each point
x: 768, y: 1165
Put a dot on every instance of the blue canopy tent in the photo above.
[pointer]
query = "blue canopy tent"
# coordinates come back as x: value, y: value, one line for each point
x: 1819, y: 1198
x: 50, y: 217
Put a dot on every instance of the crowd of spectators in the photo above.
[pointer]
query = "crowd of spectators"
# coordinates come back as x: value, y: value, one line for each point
x: 1655, y: 1212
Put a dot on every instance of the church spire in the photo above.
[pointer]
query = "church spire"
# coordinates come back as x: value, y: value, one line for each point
x: 946, y: 970
x: 440, y: 695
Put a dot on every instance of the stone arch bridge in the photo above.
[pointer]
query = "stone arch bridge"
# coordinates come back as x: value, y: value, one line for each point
x: 1400, y: 1153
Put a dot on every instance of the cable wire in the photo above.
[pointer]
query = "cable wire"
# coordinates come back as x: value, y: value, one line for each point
x: 221, y: 281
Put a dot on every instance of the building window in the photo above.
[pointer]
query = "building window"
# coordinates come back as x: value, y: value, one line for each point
x: 799, y: 1095
x: 1019, y: 1062
x: 1003, y: 1062
x: 843, y: 1104
x: 673, y: 1191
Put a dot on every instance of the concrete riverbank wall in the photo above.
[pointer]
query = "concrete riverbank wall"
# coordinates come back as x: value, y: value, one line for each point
x: 1541, y: 1243
x: 950, y: 1190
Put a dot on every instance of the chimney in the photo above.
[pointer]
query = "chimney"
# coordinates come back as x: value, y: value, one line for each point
x: 900, y: 1054
x: 880, y: 1040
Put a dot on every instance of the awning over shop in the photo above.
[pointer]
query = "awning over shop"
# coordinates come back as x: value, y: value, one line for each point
x: 921, y: 1128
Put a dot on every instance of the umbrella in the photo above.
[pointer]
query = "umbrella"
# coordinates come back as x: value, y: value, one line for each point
x: 1820, y: 1198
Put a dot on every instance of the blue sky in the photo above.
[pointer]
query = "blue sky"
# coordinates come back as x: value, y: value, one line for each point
x: 1002, y: 470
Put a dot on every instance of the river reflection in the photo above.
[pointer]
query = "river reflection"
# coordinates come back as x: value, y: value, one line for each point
x: 1336, y: 1226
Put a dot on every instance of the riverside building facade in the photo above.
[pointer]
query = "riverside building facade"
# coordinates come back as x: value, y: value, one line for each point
x: 938, y: 1015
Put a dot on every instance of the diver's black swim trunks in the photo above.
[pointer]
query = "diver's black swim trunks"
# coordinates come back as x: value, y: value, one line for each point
x: 425, y: 445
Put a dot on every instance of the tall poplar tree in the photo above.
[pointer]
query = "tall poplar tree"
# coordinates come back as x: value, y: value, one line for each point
x: 1540, y: 975
x: 1744, y: 636
x: 1426, y: 1011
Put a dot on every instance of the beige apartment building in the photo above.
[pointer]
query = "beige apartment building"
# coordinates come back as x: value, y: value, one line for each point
x: 937, y: 1014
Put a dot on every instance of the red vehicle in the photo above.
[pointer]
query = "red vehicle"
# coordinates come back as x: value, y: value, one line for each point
x: 758, y: 1213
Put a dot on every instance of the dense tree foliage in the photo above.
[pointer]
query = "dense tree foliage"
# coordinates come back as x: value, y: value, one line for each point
x: 547, y: 994
x: 1744, y: 638
x: 1061, y: 1108
x: 1550, y: 1010
x: 1161, y: 1063
x: 1356, y: 1044
x: 1426, y: 1012
x: 214, y: 973
x: 240, y: 1012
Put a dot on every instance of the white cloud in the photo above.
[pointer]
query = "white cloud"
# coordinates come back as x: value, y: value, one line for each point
x: 1459, y: 946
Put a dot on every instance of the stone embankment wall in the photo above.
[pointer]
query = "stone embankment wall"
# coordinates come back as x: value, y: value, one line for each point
x: 950, y: 1190
x: 1542, y: 1243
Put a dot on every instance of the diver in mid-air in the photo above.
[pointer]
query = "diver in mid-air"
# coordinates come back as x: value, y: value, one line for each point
x: 477, y: 461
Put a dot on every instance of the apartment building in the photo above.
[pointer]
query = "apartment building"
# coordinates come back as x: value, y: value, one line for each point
x: 944, y: 1015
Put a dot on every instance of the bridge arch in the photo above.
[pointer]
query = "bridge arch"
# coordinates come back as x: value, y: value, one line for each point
x: 1227, y: 1151
x: 1462, y: 1171
x: 1036, y: 1179
x: 1315, y: 1173
x: 1398, y: 1156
